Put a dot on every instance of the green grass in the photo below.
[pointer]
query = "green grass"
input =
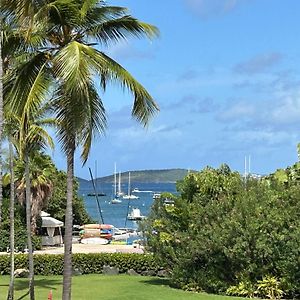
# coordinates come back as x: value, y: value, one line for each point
x: 94, y: 287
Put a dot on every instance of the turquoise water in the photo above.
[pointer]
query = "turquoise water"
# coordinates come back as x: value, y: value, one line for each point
x: 116, y: 214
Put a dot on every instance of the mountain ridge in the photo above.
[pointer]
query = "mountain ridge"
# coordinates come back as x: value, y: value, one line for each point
x: 144, y: 176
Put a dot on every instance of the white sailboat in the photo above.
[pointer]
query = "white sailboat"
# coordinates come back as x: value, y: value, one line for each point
x: 129, y: 196
x: 119, y: 192
x: 116, y: 199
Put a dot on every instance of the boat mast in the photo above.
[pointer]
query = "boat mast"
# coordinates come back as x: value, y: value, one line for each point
x: 115, y: 179
x: 128, y: 183
x: 96, y: 176
x: 97, y: 199
x: 119, y: 186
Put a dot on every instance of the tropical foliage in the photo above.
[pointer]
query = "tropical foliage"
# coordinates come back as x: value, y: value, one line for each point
x: 50, y: 54
x: 222, y: 232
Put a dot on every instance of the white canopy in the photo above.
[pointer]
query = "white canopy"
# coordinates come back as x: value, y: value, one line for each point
x: 51, y: 222
x: 44, y: 214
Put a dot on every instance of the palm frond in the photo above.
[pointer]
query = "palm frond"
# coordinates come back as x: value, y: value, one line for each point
x: 80, y: 116
x: 28, y: 86
x: 71, y: 66
x: 95, y: 122
x: 144, y: 107
x: 122, y: 28
x: 38, y: 138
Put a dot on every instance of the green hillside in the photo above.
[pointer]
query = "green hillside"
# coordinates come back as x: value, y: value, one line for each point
x: 157, y: 176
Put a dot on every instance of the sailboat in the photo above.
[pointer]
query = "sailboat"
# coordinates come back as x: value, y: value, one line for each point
x: 93, y: 194
x: 116, y: 199
x: 129, y: 196
x: 119, y: 192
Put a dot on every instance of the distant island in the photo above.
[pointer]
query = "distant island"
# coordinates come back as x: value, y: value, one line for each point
x: 146, y: 176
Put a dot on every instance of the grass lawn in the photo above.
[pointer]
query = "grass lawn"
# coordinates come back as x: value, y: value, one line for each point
x: 94, y: 287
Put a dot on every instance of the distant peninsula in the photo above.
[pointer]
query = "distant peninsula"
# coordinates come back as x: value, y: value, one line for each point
x: 146, y: 176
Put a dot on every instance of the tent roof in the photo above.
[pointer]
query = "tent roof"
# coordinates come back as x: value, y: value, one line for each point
x: 51, y: 222
x: 44, y: 214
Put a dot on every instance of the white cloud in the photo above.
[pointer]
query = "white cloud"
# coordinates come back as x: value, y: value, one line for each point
x: 126, y: 51
x: 206, y: 9
x: 287, y: 111
x: 258, y: 63
x: 237, y: 112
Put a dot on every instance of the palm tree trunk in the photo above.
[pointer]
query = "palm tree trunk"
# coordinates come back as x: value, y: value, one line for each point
x: 10, y: 295
x: 28, y: 228
x: 1, y: 119
x: 67, y: 275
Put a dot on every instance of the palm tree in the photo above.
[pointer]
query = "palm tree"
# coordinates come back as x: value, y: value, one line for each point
x: 41, y: 186
x: 30, y: 136
x: 10, y: 295
x: 69, y: 64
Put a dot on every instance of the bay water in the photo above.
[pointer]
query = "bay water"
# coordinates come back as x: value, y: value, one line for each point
x: 116, y: 214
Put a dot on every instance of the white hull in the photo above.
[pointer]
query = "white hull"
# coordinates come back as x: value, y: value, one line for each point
x: 130, y: 197
x: 94, y: 240
x: 116, y: 201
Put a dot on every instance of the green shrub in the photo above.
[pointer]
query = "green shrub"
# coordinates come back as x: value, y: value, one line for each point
x: 220, y: 231
x: 243, y: 289
x: 88, y: 263
x: 269, y: 287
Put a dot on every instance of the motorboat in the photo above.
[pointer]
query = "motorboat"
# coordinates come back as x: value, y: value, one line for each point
x: 130, y: 197
x: 135, y: 215
x: 156, y: 195
x: 136, y: 190
x: 116, y: 201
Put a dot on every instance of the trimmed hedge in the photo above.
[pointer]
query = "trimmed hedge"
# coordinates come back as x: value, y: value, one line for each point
x: 88, y: 263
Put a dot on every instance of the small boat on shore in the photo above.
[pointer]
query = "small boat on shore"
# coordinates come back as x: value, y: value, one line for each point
x: 104, y: 231
x: 94, y: 241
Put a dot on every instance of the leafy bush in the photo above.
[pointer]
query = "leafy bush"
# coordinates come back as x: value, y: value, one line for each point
x: 89, y: 263
x: 268, y: 287
x: 220, y: 231
x: 20, y: 230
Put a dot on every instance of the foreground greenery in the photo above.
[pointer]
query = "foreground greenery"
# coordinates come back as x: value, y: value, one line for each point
x: 51, y: 53
x: 86, y: 263
x: 94, y: 287
x: 225, y: 234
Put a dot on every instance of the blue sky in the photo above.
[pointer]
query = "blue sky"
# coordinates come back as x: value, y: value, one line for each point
x: 226, y: 75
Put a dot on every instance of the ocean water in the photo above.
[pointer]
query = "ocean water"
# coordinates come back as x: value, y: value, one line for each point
x: 116, y: 214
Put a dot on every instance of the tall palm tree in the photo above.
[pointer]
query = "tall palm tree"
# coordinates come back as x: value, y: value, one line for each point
x: 10, y: 294
x: 30, y: 136
x: 70, y: 63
